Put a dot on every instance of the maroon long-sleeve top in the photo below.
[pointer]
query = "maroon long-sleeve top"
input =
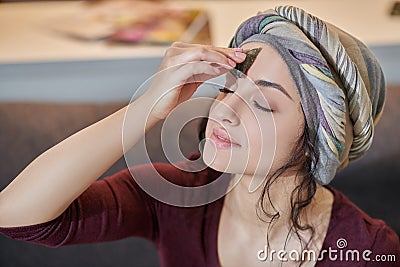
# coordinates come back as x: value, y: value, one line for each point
x: 117, y: 207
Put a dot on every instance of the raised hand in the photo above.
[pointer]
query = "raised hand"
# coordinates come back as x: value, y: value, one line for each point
x: 184, y: 68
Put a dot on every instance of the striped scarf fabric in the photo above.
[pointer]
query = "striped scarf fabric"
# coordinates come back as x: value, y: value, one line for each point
x: 332, y: 70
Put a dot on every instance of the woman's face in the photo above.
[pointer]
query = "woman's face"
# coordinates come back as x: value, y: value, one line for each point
x: 253, y: 130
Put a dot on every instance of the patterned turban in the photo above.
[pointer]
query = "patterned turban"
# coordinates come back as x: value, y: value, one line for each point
x: 332, y: 70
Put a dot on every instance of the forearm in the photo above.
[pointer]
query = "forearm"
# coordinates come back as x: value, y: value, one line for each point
x: 46, y: 187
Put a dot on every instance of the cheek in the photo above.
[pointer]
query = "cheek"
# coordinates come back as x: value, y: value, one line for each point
x: 209, y: 126
x: 262, y: 136
x: 288, y: 131
x: 262, y: 141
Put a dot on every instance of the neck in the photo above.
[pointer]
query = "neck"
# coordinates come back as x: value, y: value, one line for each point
x: 240, y: 210
x: 243, y: 205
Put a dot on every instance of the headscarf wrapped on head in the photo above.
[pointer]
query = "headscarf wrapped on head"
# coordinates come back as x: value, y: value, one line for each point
x: 329, y: 68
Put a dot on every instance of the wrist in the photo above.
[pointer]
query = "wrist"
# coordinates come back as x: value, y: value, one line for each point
x: 148, y: 102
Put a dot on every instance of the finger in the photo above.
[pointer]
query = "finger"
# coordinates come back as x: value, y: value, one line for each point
x: 228, y: 51
x: 192, y: 75
x: 235, y: 54
x: 174, y: 49
x: 204, y: 69
x: 199, y: 53
x: 182, y: 44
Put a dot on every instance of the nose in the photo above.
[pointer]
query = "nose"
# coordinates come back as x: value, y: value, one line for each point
x: 226, y: 111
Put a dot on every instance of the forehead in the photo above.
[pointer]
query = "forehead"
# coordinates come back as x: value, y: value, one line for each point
x: 270, y: 66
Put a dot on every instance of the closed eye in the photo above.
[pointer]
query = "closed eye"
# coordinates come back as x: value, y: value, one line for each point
x: 225, y: 90
x: 256, y: 105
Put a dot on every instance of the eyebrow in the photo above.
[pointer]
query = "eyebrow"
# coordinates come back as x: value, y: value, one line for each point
x: 265, y: 83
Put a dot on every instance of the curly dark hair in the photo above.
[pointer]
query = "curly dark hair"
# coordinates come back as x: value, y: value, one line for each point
x: 304, y: 158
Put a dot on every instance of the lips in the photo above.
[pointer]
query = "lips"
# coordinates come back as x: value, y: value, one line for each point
x: 222, y: 139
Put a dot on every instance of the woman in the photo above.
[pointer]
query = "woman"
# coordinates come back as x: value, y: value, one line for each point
x: 310, y: 108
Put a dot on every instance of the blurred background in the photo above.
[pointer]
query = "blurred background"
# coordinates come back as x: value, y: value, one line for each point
x: 66, y: 64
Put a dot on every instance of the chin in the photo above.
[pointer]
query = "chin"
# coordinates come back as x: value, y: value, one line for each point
x: 213, y: 158
x: 227, y: 160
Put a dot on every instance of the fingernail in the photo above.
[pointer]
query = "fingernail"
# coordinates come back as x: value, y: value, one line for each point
x: 240, y: 55
x: 238, y: 49
x: 216, y: 70
x: 231, y: 62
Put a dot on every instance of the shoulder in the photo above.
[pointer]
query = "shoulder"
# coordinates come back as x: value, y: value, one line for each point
x: 357, y: 230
